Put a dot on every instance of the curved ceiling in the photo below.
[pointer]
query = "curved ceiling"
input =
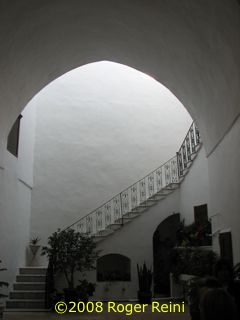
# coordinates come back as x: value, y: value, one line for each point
x: 192, y: 47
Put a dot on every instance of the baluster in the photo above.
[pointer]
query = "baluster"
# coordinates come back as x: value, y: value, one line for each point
x: 124, y: 202
x: 184, y: 155
x: 134, y: 199
x: 159, y: 179
x: 188, y: 149
x: 180, y: 163
x: 117, y: 208
x: 197, y: 134
x: 99, y: 220
x: 89, y: 224
x: 192, y: 139
x: 81, y: 226
x: 142, y: 189
x: 150, y: 180
x: 167, y: 173
x: 174, y: 171
x: 107, y: 213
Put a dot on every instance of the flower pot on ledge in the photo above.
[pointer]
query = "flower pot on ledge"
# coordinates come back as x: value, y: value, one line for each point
x: 34, y: 248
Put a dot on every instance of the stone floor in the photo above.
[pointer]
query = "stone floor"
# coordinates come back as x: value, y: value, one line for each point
x: 148, y: 314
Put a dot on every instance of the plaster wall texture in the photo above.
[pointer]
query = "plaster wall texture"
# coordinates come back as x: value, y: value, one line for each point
x: 191, y: 47
x: 134, y: 240
x: 99, y: 129
x: 195, y: 189
x: 15, y: 200
x: 225, y: 186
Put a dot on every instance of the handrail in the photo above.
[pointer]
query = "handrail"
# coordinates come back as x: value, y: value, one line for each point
x: 113, y: 211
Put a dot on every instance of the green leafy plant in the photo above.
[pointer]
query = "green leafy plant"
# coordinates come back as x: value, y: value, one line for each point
x: 194, y: 235
x: 192, y: 261
x: 71, y: 251
x: 85, y: 290
x: 3, y: 283
x: 236, y: 271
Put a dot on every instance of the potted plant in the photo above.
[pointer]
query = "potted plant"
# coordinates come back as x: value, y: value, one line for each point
x: 85, y: 290
x: 192, y: 261
x: 194, y: 235
x: 2, y: 284
x: 71, y: 251
x: 145, y: 284
x: 34, y: 246
x: 236, y: 271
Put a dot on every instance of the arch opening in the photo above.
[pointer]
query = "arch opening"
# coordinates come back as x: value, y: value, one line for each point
x: 113, y: 267
x: 92, y: 125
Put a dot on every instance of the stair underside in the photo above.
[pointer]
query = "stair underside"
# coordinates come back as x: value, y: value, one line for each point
x: 136, y: 212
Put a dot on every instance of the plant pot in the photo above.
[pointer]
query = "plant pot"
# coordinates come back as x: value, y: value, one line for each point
x: 1, y: 311
x: 84, y: 298
x: 34, y: 248
x: 70, y: 294
x: 145, y: 297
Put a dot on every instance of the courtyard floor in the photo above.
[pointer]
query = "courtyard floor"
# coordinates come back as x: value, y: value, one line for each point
x: 148, y: 314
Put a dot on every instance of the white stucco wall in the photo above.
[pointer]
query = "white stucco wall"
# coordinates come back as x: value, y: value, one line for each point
x: 225, y: 186
x: 195, y: 189
x: 192, y: 47
x: 15, y: 199
x: 135, y: 239
x: 99, y: 129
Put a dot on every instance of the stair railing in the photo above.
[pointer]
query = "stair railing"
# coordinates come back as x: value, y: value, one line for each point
x: 132, y: 198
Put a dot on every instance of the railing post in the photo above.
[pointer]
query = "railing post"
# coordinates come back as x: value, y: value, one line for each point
x: 179, y: 165
x: 121, y: 207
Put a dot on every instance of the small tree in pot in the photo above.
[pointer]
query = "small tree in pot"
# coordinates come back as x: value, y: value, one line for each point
x: 145, y: 284
x: 71, y: 251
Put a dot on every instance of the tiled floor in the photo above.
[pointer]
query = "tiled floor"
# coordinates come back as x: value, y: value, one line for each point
x: 148, y: 314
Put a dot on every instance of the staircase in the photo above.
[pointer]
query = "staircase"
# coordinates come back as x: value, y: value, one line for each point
x: 136, y: 199
x: 28, y: 290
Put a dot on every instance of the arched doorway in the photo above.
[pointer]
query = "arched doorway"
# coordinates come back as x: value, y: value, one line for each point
x: 164, y: 239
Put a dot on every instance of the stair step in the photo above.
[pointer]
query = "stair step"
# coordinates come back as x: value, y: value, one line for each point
x: 35, y: 295
x: 30, y: 278
x: 123, y: 221
x: 105, y: 232
x: 33, y: 270
x: 25, y: 304
x: 114, y: 226
x: 27, y: 286
x: 131, y: 215
x: 139, y: 208
x: 151, y: 202
x: 98, y: 238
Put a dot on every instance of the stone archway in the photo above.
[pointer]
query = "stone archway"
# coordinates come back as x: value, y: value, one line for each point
x: 170, y: 41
